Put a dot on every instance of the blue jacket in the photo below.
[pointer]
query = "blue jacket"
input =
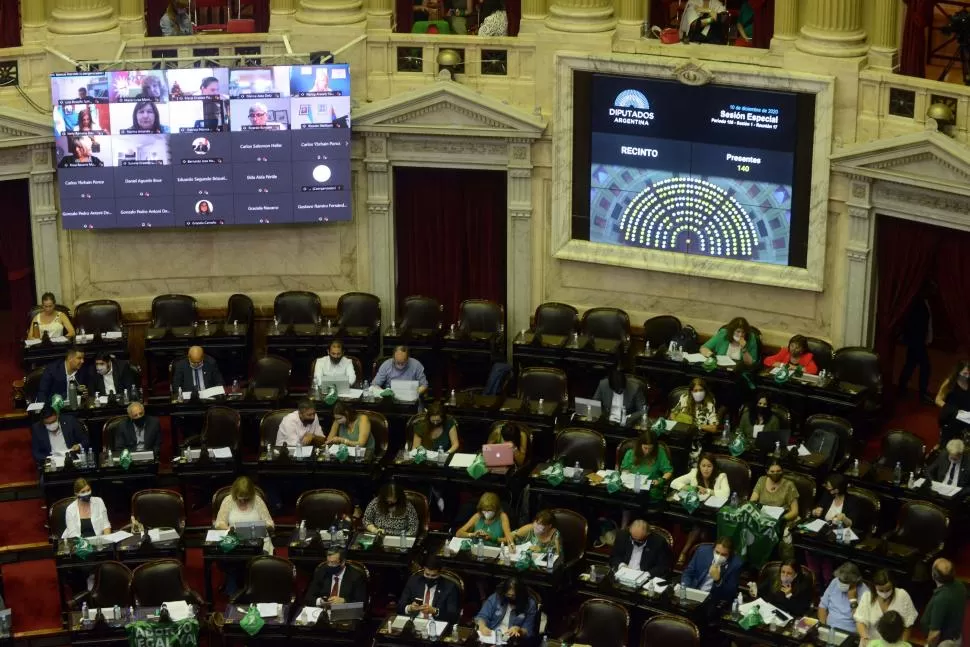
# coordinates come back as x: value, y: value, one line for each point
x: 53, y: 380
x: 40, y: 442
x: 696, y: 572
x: 494, y: 608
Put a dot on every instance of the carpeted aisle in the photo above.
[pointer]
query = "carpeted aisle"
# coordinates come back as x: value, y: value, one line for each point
x: 30, y: 590
x: 18, y: 463
x: 22, y: 522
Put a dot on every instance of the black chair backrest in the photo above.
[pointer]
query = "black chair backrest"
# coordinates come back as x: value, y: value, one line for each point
x: 606, y: 323
x: 780, y: 410
x: 821, y: 352
x: 806, y: 491
x: 297, y: 307
x: 738, y: 474
x: 823, y: 431
x: 102, y: 315
x: 270, y: 579
x: 553, y: 318
x: 32, y: 384
x: 903, y: 447
x: 272, y: 372
x: 660, y: 330
x: 868, y: 506
x: 269, y: 424
x: 543, y: 382
x: 57, y: 517
x: 481, y: 315
x: 110, y: 431
x: 420, y: 503
x: 323, y: 508
x: 585, y: 446
x: 669, y: 631
x: 157, y: 582
x: 603, y: 623
x: 378, y: 429
x: 221, y: 427
x: 159, y: 509
x: 240, y: 308
x: 572, y: 529
x: 422, y: 313
x: 174, y: 310
x: 112, y: 586
x: 673, y: 397
x: 923, y: 526
x: 858, y: 365
x: 359, y: 310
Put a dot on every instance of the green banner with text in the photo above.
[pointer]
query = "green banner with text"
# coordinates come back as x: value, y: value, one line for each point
x: 184, y: 633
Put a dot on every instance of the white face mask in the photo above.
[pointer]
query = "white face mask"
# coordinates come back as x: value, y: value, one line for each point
x: 538, y: 529
x: 698, y: 395
x: 738, y: 337
x: 844, y: 587
x: 719, y: 559
x: 885, y: 595
x: 52, y: 426
x: 488, y: 514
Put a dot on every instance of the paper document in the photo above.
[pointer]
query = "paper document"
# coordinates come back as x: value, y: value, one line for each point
x: 309, y: 615
x: 724, y: 360
x: 803, y: 451
x: 846, y: 535
x: 495, y: 638
x: 454, y: 544
x: 431, y: 456
x: 114, y: 334
x: 919, y: 482
x: 34, y: 406
x: 461, y: 461
x: 945, y: 490
x: 213, y: 536
x: 399, y: 622
x: 773, y: 511
x: 31, y: 342
x: 605, y: 473
x: 60, y: 339
x: 178, y: 609
x: 656, y: 584
x: 695, y: 595
x: 116, y: 536
x: 162, y: 534
x: 814, y: 526
x: 572, y: 472
x: 352, y: 394
x: 756, y: 429
x: 539, y: 559
x: 212, y: 392
x: 694, y: 358
x: 83, y: 339
x: 58, y: 460
x: 268, y: 609
x: 394, y: 541
x: 631, y: 577
x: 963, y: 416
x: 220, y: 452
x: 715, y: 501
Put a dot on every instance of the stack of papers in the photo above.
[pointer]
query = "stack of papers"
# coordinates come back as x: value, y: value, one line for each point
x: 351, y: 394
x: 399, y: 622
x: 715, y: 501
x: 628, y: 480
x: 803, y: 451
x: 773, y: 511
x: 114, y: 334
x: 83, y: 339
x: 945, y: 490
x: 631, y: 577
x: 724, y: 360
x: 572, y: 472
x: 268, y: 609
x: 393, y: 541
x: 31, y: 342
x: 178, y: 610
x: 405, y: 390
x: 656, y: 584
x: 454, y: 544
x: 309, y: 615
x: 215, y: 536
x: 963, y: 416
x: 694, y: 358
x: 162, y: 534
x: 118, y: 535
x: 814, y: 526
x: 299, y: 451
x: 34, y: 406
x: 461, y: 461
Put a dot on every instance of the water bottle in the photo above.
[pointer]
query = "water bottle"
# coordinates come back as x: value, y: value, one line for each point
x: 637, y: 483
x: 72, y: 394
x: 130, y: 617
x: 479, y: 548
x: 235, y: 326
x: 539, y: 407
x: 178, y: 396
x: 235, y: 386
x: 855, y: 467
x: 333, y: 534
x: 726, y: 432
x: 577, y: 472
x: 111, y: 458
x: 117, y: 613
x: 432, y: 630
x: 205, y: 327
x: 403, y: 539
x: 329, y: 325
x: 683, y: 593
x: 549, y: 560
x: 276, y: 326
x: 97, y: 398
x: 897, y: 474
x: 89, y: 458
x: 365, y: 387
x: 124, y: 397
x: 269, y: 452
x: 451, y: 400
x: 911, y: 483
x: 734, y: 499
x: 736, y: 608
x: 545, y: 641
x: 84, y: 612
x: 646, y: 349
x: 302, y: 530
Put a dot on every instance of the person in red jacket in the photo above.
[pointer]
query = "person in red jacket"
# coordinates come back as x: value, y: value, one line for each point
x: 796, y: 354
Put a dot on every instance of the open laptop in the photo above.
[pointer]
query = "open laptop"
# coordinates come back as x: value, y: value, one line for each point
x: 341, y: 384
x: 346, y: 612
x: 251, y: 529
x: 405, y: 390
x: 498, y: 455
x: 588, y: 408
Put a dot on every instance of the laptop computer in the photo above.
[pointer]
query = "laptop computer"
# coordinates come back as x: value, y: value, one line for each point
x: 341, y: 384
x: 589, y: 409
x: 346, y: 612
x: 251, y: 529
x: 498, y: 455
x: 405, y: 390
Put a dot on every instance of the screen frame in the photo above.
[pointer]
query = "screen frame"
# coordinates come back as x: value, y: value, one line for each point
x: 565, y: 247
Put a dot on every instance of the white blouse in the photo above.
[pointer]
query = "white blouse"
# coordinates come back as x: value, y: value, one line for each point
x: 721, y: 487
x: 869, y: 612
x: 834, y: 510
x: 53, y: 329
x: 72, y: 518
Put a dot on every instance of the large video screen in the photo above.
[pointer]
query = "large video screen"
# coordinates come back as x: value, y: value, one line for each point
x: 708, y: 170
x: 203, y: 146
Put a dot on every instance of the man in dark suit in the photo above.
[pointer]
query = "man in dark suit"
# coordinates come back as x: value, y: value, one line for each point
x: 110, y: 375
x: 57, y: 374
x: 714, y: 569
x: 139, y: 433
x: 54, y: 434
x: 951, y: 467
x: 196, y: 372
x: 335, y: 583
x: 620, y: 400
x: 637, y: 548
x: 429, y: 595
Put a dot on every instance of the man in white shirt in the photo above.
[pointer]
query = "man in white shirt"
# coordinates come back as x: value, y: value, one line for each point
x: 300, y: 427
x: 335, y: 365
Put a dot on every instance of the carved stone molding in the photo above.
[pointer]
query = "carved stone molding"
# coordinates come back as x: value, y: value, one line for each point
x: 857, y: 255
x: 693, y: 73
x: 447, y: 146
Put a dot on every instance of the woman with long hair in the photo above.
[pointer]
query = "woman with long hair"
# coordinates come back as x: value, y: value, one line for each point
x: 697, y: 407
x: 391, y: 513
x: 350, y: 428
x: 145, y: 119
x: 709, y: 481
x: 736, y: 340
x: 952, y: 398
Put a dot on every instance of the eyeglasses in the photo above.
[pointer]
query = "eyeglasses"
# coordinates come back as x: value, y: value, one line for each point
x: 258, y: 114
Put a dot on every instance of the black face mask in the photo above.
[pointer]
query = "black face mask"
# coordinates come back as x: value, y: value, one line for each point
x: 763, y: 411
x: 140, y: 423
x: 639, y: 543
x: 332, y: 570
x: 430, y: 581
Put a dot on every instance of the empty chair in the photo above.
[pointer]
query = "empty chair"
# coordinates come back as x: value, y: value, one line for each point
x: 273, y: 372
x: 541, y: 382
x: 903, y: 447
x: 173, y: 311
x: 830, y: 436
x: 57, y: 517
x: 359, y: 310
x: 221, y: 427
x: 31, y: 384
x: 858, y: 365
x: 806, y: 492
x: 268, y: 579
x: 158, y: 509
x: 669, y: 631
x: 867, y: 511
x: 923, y: 526
x: 420, y: 503
x: 240, y: 309
x: 112, y: 586
x: 110, y: 431
x: 821, y: 352
x: 660, y: 330
x: 738, y: 474
x: 100, y: 316
x: 422, y: 315
x: 321, y: 509
x: 269, y: 424
x: 297, y: 307
x: 583, y: 446
x: 606, y: 323
x: 480, y: 316
x: 602, y: 623
x: 552, y: 318
x: 572, y: 529
x: 161, y: 581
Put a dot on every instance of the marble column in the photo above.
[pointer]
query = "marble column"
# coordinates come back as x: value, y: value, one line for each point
x: 786, y: 23
x: 33, y: 21
x: 631, y: 15
x: 380, y: 221
x: 43, y: 224
x: 884, y: 34
x: 581, y: 16
x: 281, y: 13
x: 380, y: 14
x: 519, y: 237
x: 132, y: 18
x: 331, y: 12
x: 858, y: 267
x: 833, y: 28
x: 75, y: 17
x: 533, y: 16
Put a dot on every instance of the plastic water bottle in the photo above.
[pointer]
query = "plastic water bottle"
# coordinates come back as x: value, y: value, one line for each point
x: 479, y: 548
x: 545, y: 641
x: 736, y: 608
x: 432, y: 630
x: 84, y: 612
x: 403, y: 541
x: 111, y: 457
x: 577, y: 472
x: 646, y: 348
x: 97, y: 398
x: 89, y: 458
x: 898, y: 474
x: 451, y: 400
x: 637, y: 483
x: 333, y: 534
x: 130, y: 617
x: 734, y: 499
x: 855, y: 467
x: 911, y: 483
x: 302, y: 531
x: 269, y: 452
x: 549, y: 562
x: 683, y: 593
x: 235, y: 326
x: 726, y: 433
x: 116, y: 612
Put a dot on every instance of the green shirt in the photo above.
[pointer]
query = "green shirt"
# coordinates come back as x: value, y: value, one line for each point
x: 944, y: 612
x: 440, y: 444
x: 720, y: 342
x: 653, y: 471
x: 354, y: 434
x: 493, y: 528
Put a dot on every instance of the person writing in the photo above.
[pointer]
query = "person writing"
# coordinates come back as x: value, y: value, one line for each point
x: 951, y: 467
x: 87, y: 515
x: 435, y: 431
x: 391, y: 513
x: 541, y: 534
x: 489, y: 523
x: 510, y: 611
x: 300, y: 427
x: 637, y: 548
x: 350, y: 428
x: 55, y: 435
x: 838, y: 510
x: 735, y: 340
x: 401, y: 367
x: 650, y: 460
x: 621, y: 400
x: 794, y: 356
x: 50, y: 320
x: 697, y: 407
x: 709, y: 480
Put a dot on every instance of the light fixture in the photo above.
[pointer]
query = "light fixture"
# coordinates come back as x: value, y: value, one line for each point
x: 941, y: 113
x: 448, y: 60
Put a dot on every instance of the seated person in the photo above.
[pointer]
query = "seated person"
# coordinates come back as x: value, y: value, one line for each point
x: 709, y: 480
x: 637, y: 548
x: 510, y: 611
x: 109, y: 375
x: 775, y: 490
x: 196, y: 372
x: 490, y: 523
x: 894, y: 633
x: 401, y: 367
x: 300, y: 427
x: 513, y: 435
x: 390, y: 513
x: 457, y: 12
x: 139, y: 433
x: 494, y: 19
x: 714, y: 569
x: 176, y: 21
x: 650, y: 460
x: 952, y: 398
x: 55, y: 435
x: 836, y: 508
x: 735, y: 340
x: 873, y: 607
x: 795, y: 356
x: 335, y: 583
x: 436, y: 431
x: 59, y: 373
x: 697, y: 407
x: 430, y: 595
x: 540, y: 535
x: 349, y: 428
x: 87, y: 515
x: 788, y: 590
x: 620, y: 399
x: 335, y: 365
x: 841, y: 598
x: 952, y: 466
x: 760, y: 417
x: 704, y: 21
x: 245, y: 504
x: 50, y: 320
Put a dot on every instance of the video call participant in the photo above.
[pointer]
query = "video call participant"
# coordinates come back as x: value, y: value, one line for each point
x: 258, y: 116
x: 151, y: 89
x: 50, y: 320
x: 197, y: 371
x: 429, y: 595
x: 637, y: 548
x: 401, y: 367
x: 58, y: 373
x: 81, y: 147
x: 176, y: 21
x: 54, y: 434
x: 335, y: 583
x: 145, y: 120
x: 210, y: 87
x: 334, y: 365
x: 203, y: 208
x: 140, y: 432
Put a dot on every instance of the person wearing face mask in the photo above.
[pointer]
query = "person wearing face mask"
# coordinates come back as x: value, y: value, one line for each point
x: 759, y: 418
x: 775, y: 490
x: 489, y: 523
x: 334, y: 583
x: 510, y: 611
x: 176, y: 21
x: 110, y: 375
x: 540, y: 534
x: 436, y: 431
x: 139, y: 433
x: 401, y: 367
x: 87, y: 515
x: 350, y: 428
x: 391, y: 513
x: 951, y: 466
x: 709, y: 480
x: 650, y: 460
x: 245, y: 503
x: 54, y: 434
x: 714, y: 569
x: 621, y: 401
x: 637, y: 548
x: 838, y: 510
x: 943, y: 617
x: 888, y: 598
x: 841, y: 598
x: 697, y: 407
x: 735, y: 340
x: 196, y: 372
x: 300, y: 427
x: 787, y: 590
x: 334, y: 365
x: 429, y: 595
x: 793, y: 356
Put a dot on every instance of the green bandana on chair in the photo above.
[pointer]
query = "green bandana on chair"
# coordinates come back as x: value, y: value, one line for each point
x: 709, y: 364
x: 252, y: 622
x: 83, y: 548
x: 737, y: 445
x: 331, y: 396
x: 125, y: 460
x: 753, y: 619
x: 228, y: 543
x: 690, y: 499
x: 420, y: 455
x: 660, y: 426
x: 555, y: 475
x: 477, y: 469
x: 613, y: 482
x: 524, y: 562
x: 342, y: 453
